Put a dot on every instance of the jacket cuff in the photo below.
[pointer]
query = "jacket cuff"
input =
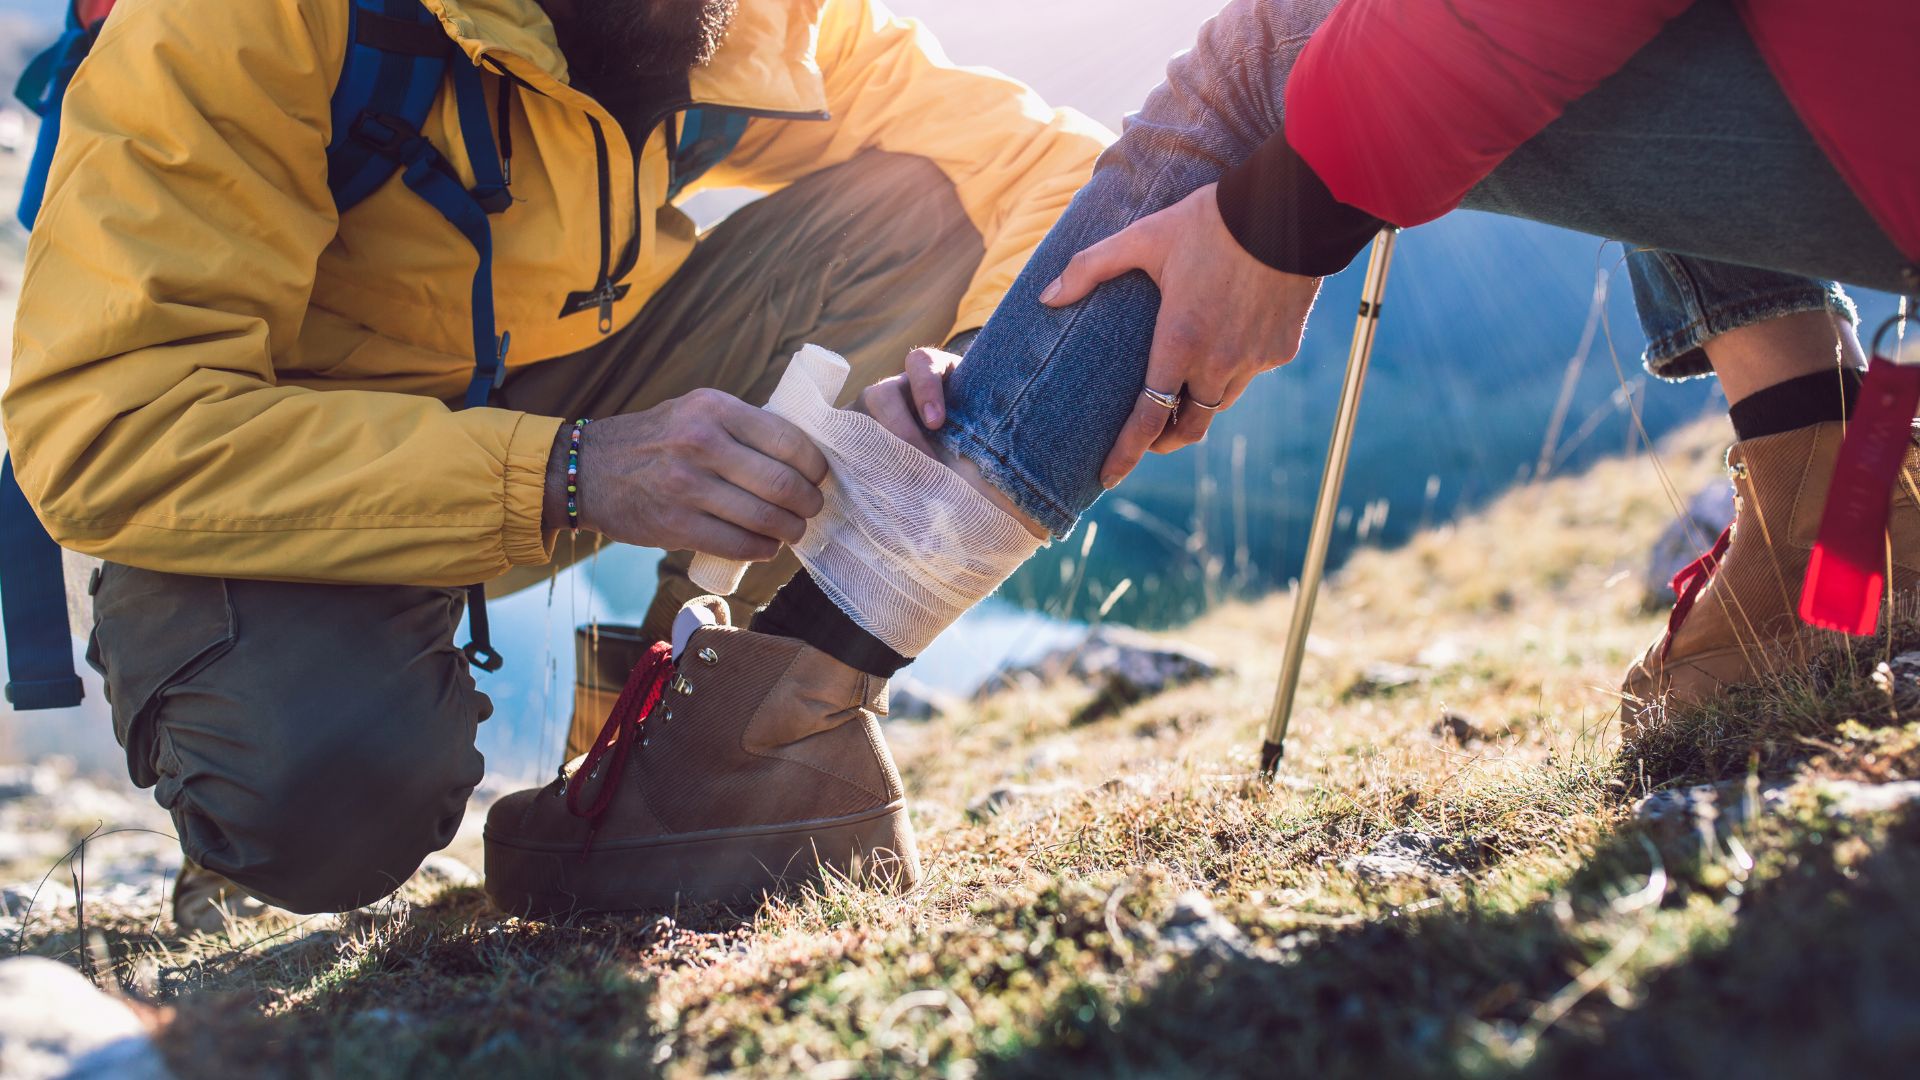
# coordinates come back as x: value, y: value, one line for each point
x: 525, y: 491
x: 1276, y: 206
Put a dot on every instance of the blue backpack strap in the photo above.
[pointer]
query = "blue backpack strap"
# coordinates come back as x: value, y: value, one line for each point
x: 41, y: 88
x: 397, y: 58
x: 33, y: 603
x: 33, y: 591
x: 707, y: 136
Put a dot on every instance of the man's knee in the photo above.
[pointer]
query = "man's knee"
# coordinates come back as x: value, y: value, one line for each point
x: 314, y: 743
x: 339, y: 817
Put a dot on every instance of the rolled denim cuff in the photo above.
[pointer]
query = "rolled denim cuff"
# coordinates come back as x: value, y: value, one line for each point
x: 1685, y: 302
x: 1030, y: 490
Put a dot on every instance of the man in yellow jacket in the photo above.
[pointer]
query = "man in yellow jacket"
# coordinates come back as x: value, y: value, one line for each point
x: 242, y: 400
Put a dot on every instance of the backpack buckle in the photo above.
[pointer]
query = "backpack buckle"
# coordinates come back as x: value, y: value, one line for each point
x: 388, y: 135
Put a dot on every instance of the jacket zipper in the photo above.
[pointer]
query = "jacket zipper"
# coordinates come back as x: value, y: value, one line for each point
x: 612, y: 285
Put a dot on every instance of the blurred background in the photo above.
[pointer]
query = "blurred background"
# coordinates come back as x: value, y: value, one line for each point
x: 1509, y: 351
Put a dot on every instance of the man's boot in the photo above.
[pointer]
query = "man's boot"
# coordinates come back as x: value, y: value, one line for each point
x: 208, y: 903
x: 731, y: 766
x: 603, y: 655
x: 1736, y: 617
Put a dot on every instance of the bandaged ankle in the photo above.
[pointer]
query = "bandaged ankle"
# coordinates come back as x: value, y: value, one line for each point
x: 904, y: 546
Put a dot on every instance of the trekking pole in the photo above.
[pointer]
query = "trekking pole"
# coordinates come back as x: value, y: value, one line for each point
x: 1358, y: 355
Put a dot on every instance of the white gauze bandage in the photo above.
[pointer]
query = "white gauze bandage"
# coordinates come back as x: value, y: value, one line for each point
x: 903, y: 544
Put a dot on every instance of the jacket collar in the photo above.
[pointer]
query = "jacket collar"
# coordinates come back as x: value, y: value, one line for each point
x: 767, y: 64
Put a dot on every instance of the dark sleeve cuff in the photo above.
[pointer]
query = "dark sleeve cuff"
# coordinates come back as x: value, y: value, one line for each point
x: 1276, y: 206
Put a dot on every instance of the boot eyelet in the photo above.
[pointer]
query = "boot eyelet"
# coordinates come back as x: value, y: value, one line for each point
x: 682, y: 686
x: 1737, y: 470
x: 707, y: 654
x: 647, y: 741
x: 666, y: 716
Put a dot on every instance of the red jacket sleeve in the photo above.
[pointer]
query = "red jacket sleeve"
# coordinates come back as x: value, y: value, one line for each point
x: 1402, y: 106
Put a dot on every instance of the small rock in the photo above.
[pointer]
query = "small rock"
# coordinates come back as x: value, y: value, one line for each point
x: 1443, y: 653
x: 1851, y: 798
x: 1134, y: 783
x: 1048, y: 756
x: 1900, y: 678
x: 1381, y: 677
x: 16, y: 901
x: 1704, y: 807
x: 1123, y: 666
x: 911, y: 699
x: 996, y: 801
x: 1402, y: 854
x: 1456, y: 728
x: 20, y: 781
x: 1195, y: 926
x: 53, y: 1023
x: 1686, y: 538
x: 383, y: 1017
x: 443, y: 871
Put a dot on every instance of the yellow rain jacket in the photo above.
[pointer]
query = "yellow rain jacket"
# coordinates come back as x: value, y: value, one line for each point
x: 214, y: 373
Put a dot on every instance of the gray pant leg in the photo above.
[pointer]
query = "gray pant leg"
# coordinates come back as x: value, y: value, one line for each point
x: 313, y: 742
x: 869, y: 258
x: 1692, y: 147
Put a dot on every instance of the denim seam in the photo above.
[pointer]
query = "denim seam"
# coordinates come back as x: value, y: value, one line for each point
x: 1010, y: 478
x: 1162, y: 169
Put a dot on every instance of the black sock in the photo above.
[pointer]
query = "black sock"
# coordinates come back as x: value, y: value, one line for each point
x: 801, y: 610
x: 1803, y: 402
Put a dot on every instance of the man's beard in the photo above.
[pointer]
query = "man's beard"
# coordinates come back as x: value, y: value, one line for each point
x: 608, y: 42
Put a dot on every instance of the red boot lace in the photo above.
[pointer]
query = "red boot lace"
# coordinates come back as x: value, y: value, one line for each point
x: 646, y: 685
x: 1688, y: 583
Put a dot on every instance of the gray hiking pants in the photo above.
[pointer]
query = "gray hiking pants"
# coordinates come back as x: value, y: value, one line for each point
x: 316, y: 742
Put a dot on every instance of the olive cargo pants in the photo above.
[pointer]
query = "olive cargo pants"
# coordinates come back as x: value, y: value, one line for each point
x: 316, y: 742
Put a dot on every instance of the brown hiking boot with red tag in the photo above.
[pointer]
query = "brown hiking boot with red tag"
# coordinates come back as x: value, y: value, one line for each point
x: 1736, y: 617
x: 730, y: 767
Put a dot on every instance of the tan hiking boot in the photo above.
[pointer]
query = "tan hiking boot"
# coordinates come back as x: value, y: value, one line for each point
x: 208, y: 903
x: 1737, y: 619
x: 731, y: 767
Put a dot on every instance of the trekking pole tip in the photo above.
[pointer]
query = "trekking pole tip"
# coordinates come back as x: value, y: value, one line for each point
x: 1270, y: 753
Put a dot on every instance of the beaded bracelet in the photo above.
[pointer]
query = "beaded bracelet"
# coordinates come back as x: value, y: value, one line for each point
x: 573, y: 474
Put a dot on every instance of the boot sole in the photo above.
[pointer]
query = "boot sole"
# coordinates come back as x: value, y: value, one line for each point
x: 546, y: 881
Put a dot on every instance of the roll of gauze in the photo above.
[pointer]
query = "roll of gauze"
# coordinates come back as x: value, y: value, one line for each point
x: 903, y: 545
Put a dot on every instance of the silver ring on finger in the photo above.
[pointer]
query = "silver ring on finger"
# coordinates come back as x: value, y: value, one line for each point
x: 1170, y: 402
x: 1198, y: 404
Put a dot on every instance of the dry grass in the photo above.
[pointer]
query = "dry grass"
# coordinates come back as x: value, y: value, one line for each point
x: 1060, y: 935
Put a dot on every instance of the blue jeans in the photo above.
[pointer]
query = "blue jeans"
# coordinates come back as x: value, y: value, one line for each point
x: 1690, y: 154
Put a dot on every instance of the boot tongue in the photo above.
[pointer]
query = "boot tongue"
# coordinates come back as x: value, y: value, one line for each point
x: 700, y: 613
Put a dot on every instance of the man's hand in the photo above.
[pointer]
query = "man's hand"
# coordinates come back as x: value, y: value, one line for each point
x: 705, y: 472
x: 1225, y: 317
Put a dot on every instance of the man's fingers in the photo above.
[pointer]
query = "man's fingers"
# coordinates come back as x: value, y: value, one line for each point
x: 709, y: 535
x: 1144, y: 425
x: 927, y: 379
x: 1104, y: 261
x: 769, y: 480
x: 776, y: 438
x: 741, y: 508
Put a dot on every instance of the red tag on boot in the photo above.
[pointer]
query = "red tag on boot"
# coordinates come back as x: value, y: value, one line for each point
x: 1847, y: 574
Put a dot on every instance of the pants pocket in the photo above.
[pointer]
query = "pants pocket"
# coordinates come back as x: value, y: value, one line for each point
x: 152, y: 631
